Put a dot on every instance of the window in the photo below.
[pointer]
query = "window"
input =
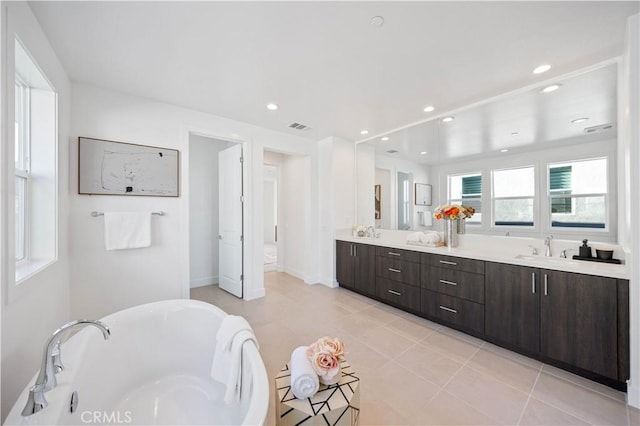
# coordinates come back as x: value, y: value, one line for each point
x: 35, y: 178
x: 21, y: 127
x: 513, y: 197
x: 578, y: 194
x: 467, y: 190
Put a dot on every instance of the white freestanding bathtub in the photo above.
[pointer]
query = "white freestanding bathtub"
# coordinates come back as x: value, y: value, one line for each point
x: 155, y: 369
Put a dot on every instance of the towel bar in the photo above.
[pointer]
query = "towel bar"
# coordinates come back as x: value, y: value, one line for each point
x: 96, y: 214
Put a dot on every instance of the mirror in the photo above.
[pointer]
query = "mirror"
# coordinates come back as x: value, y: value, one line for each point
x: 521, y: 121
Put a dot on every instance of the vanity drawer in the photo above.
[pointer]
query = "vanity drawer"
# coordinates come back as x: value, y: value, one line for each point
x: 455, y: 311
x: 452, y: 262
x: 398, y: 270
x: 398, y: 294
x: 453, y: 283
x: 407, y: 255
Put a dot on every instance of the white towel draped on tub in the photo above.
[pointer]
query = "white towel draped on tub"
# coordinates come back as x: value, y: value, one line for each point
x: 227, y: 359
x: 126, y: 230
x: 304, y: 379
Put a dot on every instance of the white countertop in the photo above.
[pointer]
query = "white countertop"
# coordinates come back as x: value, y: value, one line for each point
x: 511, y: 250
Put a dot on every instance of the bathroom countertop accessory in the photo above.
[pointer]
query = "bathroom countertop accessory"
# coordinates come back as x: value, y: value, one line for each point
x: 585, y: 250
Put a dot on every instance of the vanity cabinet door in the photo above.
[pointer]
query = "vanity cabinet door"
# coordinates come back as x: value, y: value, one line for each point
x: 512, y: 305
x: 365, y: 269
x: 578, y: 321
x: 345, y: 264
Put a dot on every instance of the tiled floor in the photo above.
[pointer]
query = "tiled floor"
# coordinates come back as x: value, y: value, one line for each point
x: 417, y: 372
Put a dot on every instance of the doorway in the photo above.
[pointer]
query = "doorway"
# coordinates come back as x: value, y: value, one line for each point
x: 270, y: 217
x: 214, y: 180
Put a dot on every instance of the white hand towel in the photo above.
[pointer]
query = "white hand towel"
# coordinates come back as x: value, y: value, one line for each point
x: 126, y: 230
x: 227, y: 359
x: 304, y: 380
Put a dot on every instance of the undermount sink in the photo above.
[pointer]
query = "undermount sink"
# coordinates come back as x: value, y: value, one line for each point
x: 553, y: 260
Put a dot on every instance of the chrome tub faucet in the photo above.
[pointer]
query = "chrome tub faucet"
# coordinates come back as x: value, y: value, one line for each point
x: 52, y: 364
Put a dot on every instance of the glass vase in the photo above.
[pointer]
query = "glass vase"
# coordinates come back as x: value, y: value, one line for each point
x: 450, y: 233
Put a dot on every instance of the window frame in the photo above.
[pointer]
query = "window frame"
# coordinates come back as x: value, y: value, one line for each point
x: 540, y: 159
x: 606, y: 195
x: 534, y: 198
x: 22, y: 164
x: 450, y: 200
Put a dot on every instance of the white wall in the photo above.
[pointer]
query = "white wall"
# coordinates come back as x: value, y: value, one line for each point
x: 295, y: 208
x: 270, y: 203
x: 629, y: 181
x: 365, y: 178
x: 203, y: 209
x: 39, y: 305
x: 335, y: 195
x: 103, y: 282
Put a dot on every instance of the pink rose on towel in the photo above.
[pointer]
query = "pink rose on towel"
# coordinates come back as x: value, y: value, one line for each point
x: 325, y: 364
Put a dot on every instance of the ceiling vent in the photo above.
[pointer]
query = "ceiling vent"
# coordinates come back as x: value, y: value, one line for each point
x: 601, y: 128
x: 299, y: 126
x: 392, y: 151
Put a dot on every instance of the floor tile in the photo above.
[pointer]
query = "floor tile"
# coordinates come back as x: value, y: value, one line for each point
x: 505, y: 369
x: 453, y: 347
x: 589, y: 384
x: 446, y: 409
x: 539, y: 413
x: 410, y: 329
x: 578, y: 401
x: 386, y: 342
x: 414, y: 371
x: 488, y: 395
x: 432, y: 366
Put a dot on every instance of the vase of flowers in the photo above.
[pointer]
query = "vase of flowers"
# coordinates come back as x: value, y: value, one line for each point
x: 454, y: 217
x: 325, y: 355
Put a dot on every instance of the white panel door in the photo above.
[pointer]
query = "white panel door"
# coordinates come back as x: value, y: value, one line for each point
x: 230, y: 219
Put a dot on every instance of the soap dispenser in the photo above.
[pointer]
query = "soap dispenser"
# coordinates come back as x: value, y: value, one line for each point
x: 585, y: 250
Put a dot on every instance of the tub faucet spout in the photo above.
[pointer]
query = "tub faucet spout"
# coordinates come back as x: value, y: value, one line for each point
x: 51, y: 364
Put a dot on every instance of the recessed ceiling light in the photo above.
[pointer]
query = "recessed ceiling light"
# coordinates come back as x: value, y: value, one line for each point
x: 541, y: 69
x: 580, y: 120
x: 551, y: 88
x: 377, y: 21
x: 272, y: 107
x: 423, y: 153
x: 448, y: 119
x: 504, y: 150
x: 384, y: 138
x: 514, y: 133
x: 364, y: 132
x: 428, y: 108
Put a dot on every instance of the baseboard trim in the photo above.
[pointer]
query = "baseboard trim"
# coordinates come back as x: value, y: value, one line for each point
x: 201, y: 282
x: 633, y: 396
x: 254, y: 294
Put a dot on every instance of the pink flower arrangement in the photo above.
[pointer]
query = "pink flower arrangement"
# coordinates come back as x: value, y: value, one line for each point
x: 325, y: 355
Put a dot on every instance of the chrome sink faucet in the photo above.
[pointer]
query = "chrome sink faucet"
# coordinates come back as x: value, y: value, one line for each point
x: 547, y: 242
x: 52, y: 364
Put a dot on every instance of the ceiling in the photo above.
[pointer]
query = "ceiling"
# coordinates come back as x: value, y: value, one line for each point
x: 524, y: 120
x: 324, y: 63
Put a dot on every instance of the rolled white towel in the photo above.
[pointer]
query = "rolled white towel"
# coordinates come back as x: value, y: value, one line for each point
x: 415, y: 237
x: 431, y: 237
x: 304, y: 380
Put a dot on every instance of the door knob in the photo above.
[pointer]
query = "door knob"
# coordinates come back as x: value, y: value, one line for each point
x: 219, y: 237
